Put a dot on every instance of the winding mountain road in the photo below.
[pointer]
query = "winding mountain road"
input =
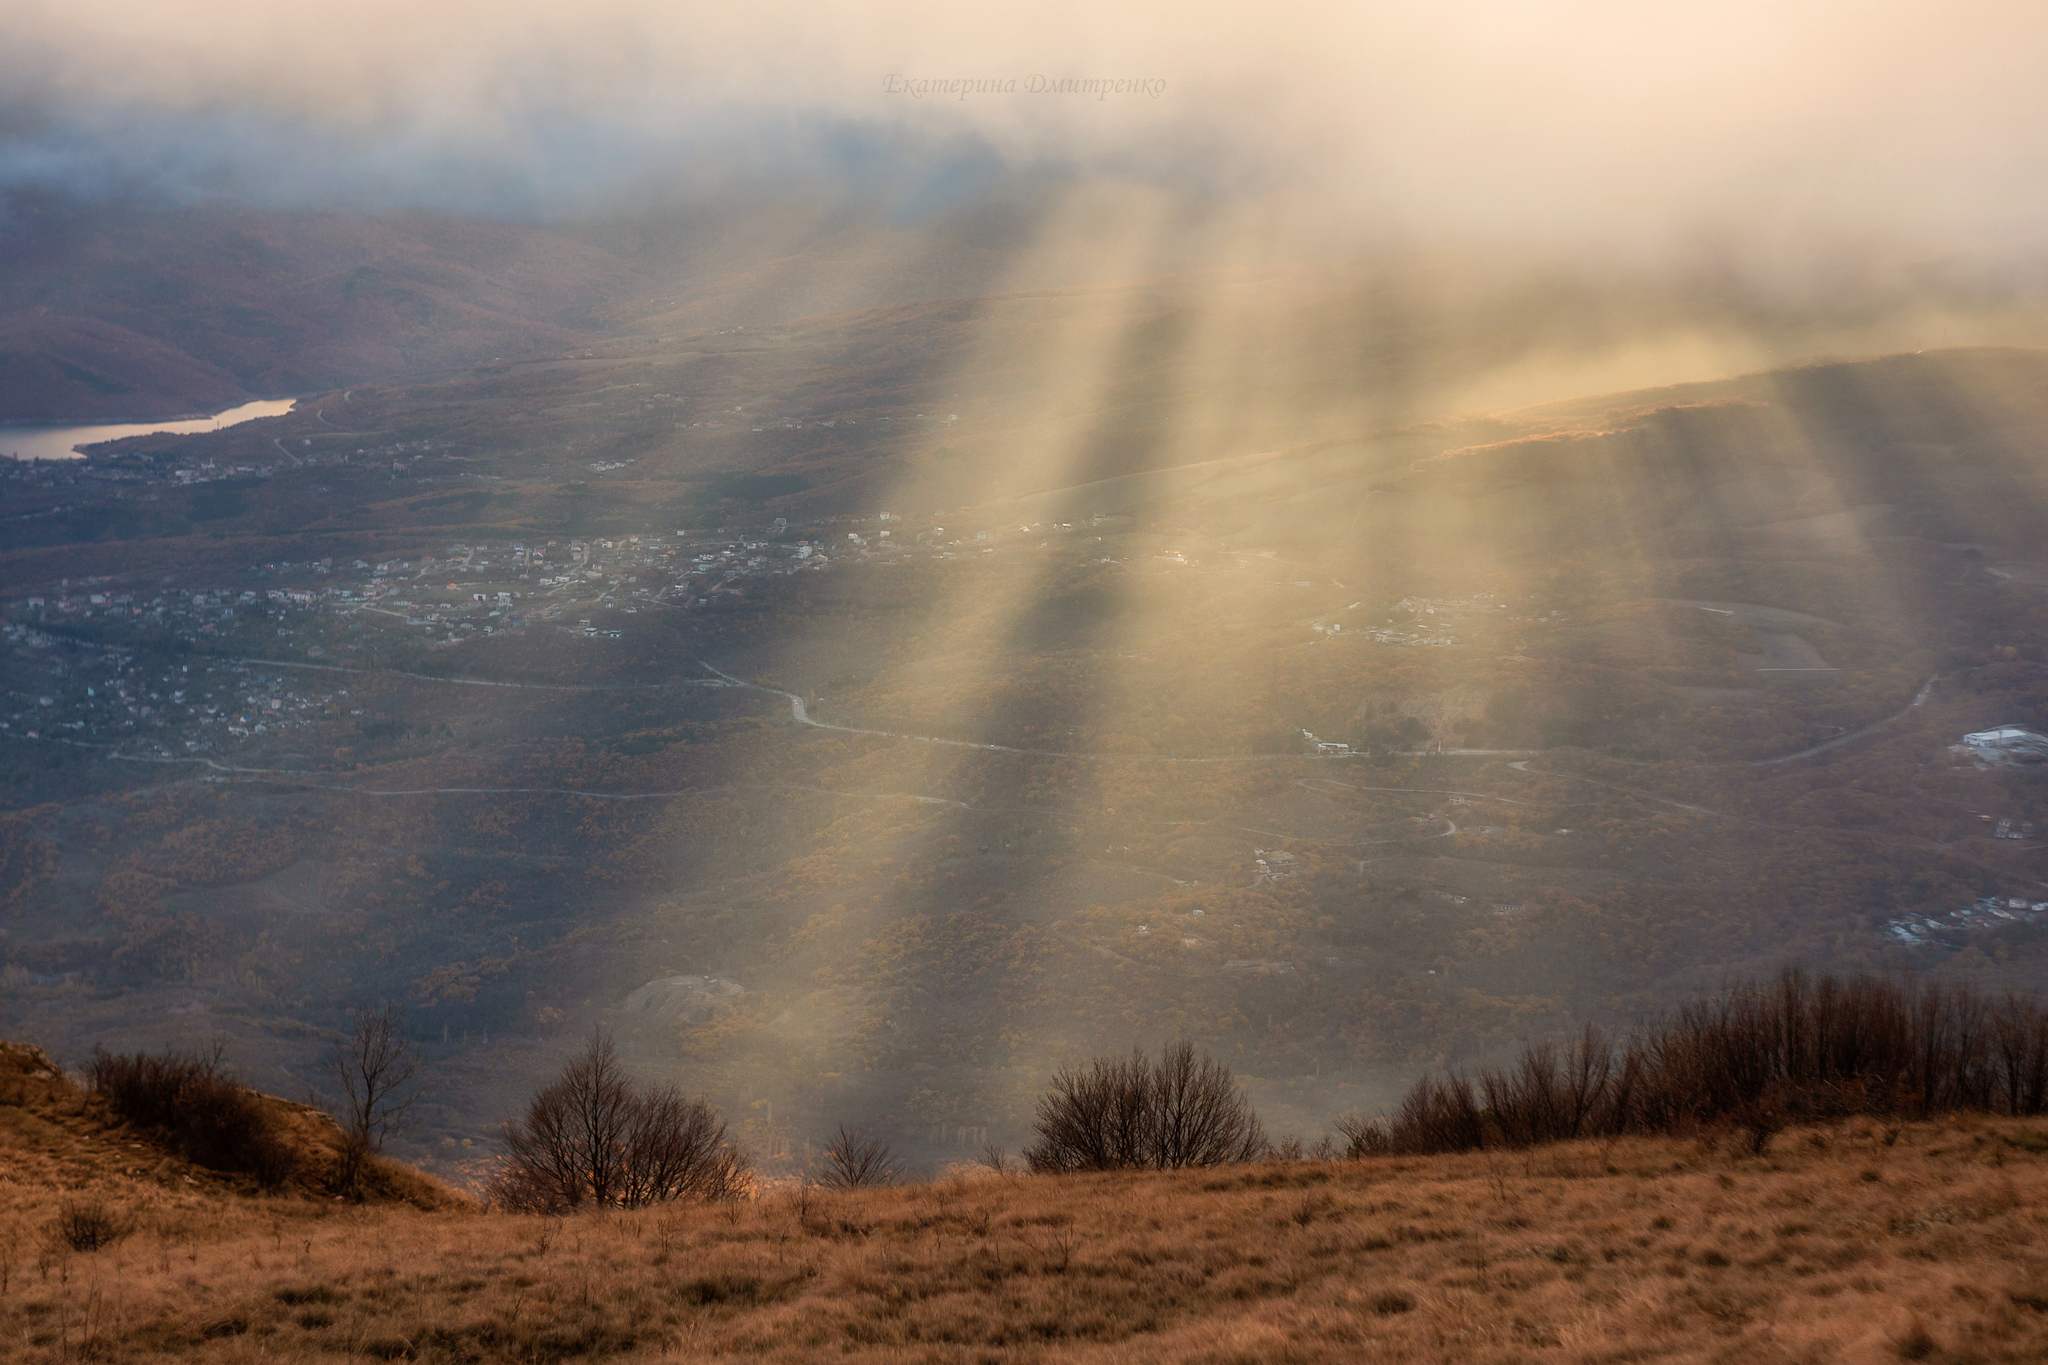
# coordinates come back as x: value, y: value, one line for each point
x: 1919, y: 697
x: 802, y: 716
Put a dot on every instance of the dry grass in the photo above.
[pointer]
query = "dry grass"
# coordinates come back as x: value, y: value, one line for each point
x: 1835, y: 1245
x: 55, y: 1135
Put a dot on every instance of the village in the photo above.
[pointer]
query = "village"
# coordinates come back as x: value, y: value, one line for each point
x: 1987, y: 912
x: 105, y: 697
x: 1422, y: 622
x: 81, y: 640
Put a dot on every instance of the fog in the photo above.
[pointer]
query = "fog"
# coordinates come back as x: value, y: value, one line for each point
x: 1783, y: 140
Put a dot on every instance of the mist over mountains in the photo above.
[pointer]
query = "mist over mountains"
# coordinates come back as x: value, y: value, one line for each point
x: 141, y: 309
x: 135, y: 308
x: 209, y: 202
x: 1577, y: 127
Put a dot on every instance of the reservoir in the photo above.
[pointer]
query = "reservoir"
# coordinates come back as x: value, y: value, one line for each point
x: 56, y: 443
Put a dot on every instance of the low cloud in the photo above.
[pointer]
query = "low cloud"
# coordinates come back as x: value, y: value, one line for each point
x: 1777, y: 136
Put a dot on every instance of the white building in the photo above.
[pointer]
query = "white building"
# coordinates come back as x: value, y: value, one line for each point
x: 2007, y: 744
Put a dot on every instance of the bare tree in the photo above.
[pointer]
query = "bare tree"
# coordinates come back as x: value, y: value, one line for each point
x: 1096, y: 1118
x: 2020, y: 1053
x: 597, y: 1109
x: 676, y: 1148
x: 1117, y: 1114
x: 1200, y: 1117
x: 1363, y: 1137
x: 594, y: 1137
x: 855, y: 1161
x: 1588, y: 1080
x: 375, y: 1068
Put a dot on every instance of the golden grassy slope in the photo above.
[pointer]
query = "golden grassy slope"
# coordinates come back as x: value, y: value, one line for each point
x: 1834, y: 1246
x: 55, y: 1136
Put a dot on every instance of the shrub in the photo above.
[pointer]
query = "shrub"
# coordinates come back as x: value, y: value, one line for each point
x: 1119, y: 1114
x: 145, y: 1089
x: 1754, y: 1058
x: 855, y: 1161
x: 186, y: 1101
x: 1363, y: 1137
x: 1548, y: 1098
x: 1438, y: 1116
x: 594, y: 1137
x: 88, y: 1225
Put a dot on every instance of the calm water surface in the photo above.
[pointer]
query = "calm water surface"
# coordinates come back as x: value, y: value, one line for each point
x: 56, y: 443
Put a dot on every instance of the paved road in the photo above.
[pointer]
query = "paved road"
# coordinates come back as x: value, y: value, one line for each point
x: 803, y: 717
x: 472, y: 682
x: 1919, y: 697
x: 267, y: 774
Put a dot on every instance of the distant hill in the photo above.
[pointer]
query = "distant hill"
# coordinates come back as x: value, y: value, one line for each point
x: 143, y: 310
x: 115, y: 297
x: 57, y: 368
x: 137, y: 309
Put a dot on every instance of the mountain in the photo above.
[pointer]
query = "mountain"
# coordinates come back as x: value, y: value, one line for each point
x: 55, y: 368
x: 269, y: 303
x: 144, y: 309
x: 1077, y: 296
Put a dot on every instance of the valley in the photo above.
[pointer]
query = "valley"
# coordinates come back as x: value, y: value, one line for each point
x: 505, y: 692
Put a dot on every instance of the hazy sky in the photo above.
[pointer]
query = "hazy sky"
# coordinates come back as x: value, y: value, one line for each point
x: 1763, y: 128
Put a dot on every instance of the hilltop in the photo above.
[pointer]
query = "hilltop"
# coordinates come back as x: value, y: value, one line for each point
x: 59, y: 1137
x: 1842, y: 1243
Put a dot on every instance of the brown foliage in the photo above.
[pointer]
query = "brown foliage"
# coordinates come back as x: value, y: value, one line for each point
x: 186, y: 1100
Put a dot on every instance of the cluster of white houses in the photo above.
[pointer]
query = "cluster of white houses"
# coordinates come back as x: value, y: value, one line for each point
x: 1987, y: 912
